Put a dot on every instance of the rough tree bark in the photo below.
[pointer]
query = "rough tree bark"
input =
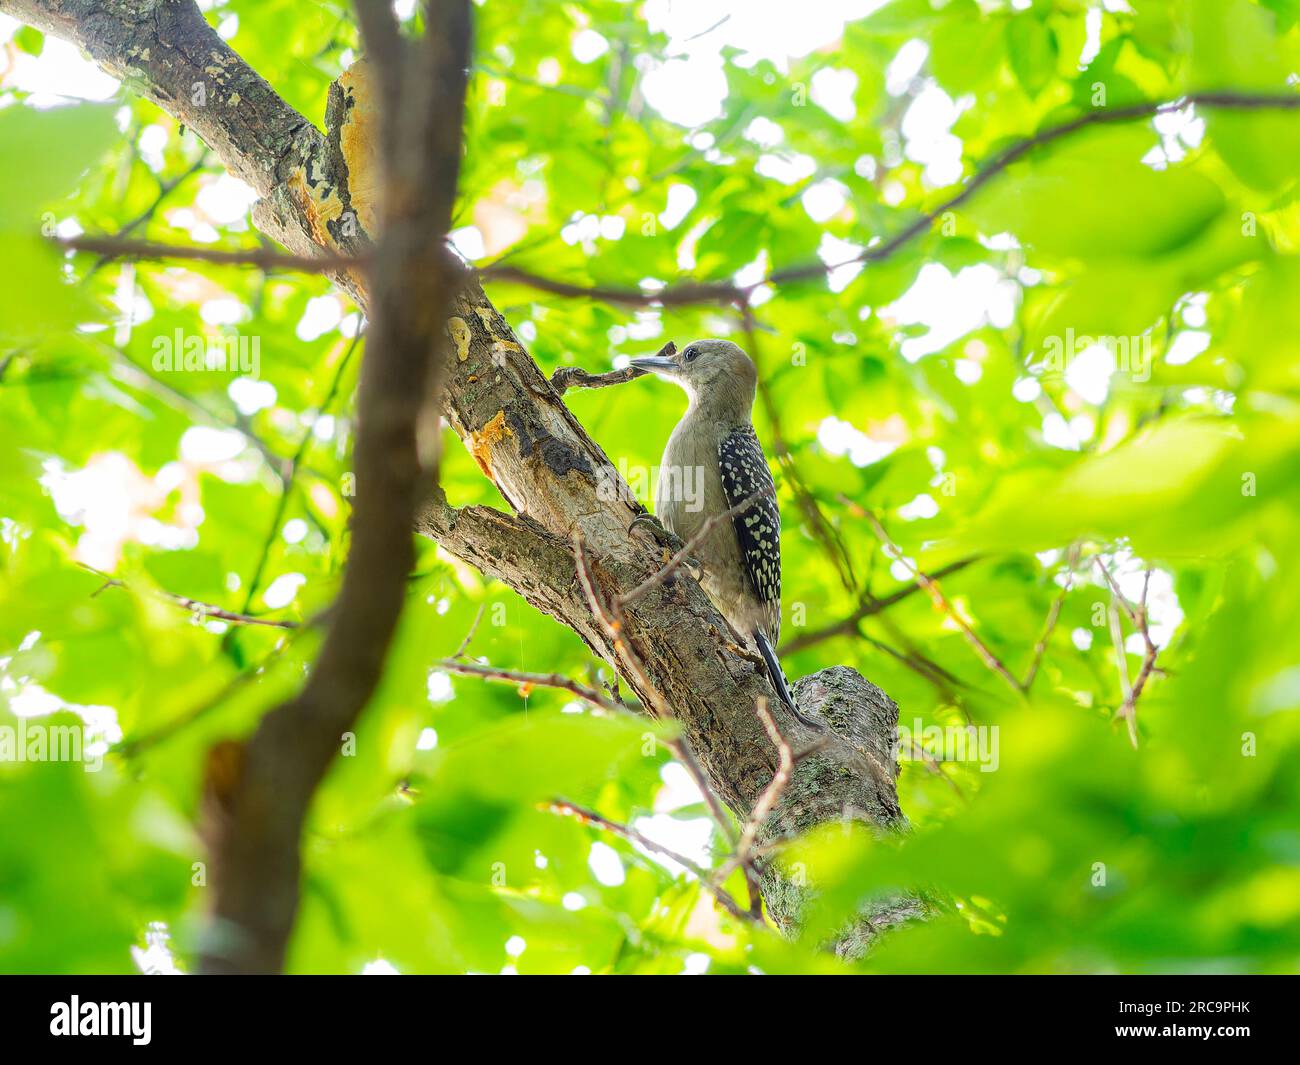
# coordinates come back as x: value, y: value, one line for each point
x: 316, y: 193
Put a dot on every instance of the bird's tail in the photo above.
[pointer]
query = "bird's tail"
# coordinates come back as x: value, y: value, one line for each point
x: 777, y: 674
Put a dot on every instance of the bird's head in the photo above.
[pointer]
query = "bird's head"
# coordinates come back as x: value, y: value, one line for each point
x: 716, y: 374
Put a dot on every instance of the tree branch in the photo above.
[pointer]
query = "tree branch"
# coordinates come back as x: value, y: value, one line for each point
x: 590, y: 817
x: 848, y: 626
x: 694, y: 292
x: 263, y: 258
x: 256, y: 853
x: 195, y: 606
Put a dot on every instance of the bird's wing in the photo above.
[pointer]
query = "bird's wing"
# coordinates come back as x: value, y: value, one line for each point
x: 758, y: 526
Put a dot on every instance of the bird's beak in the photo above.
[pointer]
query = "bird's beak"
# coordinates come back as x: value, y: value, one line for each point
x: 657, y: 364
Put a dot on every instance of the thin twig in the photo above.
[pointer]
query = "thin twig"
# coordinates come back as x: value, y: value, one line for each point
x: 932, y: 764
x: 263, y: 258
x: 767, y: 800
x: 941, y: 603
x: 131, y: 748
x: 590, y: 817
x: 195, y: 606
x: 692, y: 292
x: 702, y: 534
x: 143, y: 378
x: 613, y: 627
x: 1128, y: 709
x: 870, y: 605
x: 605, y: 703
x: 686, y: 756
x: 165, y: 189
x: 459, y: 653
x: 290, y: 473
x: 567, y: 377
x: 944, y: 681
x: 822, y: 529
x: 525, y: 680
x: 1138, y: 615
x: 705, y: 32
x: 1053, y: 616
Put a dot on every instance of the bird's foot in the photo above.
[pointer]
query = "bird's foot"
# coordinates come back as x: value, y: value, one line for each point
x: 654, y: 528
x: 653, y: 525
x: 667, y: 542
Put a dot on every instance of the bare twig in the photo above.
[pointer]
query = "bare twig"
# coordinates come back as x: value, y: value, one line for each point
x: 661, y: 575
x: 684, y: 755
x: 605, y: 703
x: 766, y: 801
x: 567, y: 377
x: 459, y: 653
x: 525, y: 680
x: 590, y: 817
x: 929, y: 670
x: 870, y: 605
x: 165, y: 189
x: 941, y: 603
x: 1138, y: 615
x: 1127, y: 709
x: 134, y: 746
x: 692, y: 292
x: 612, y: 624
x: 705, y: 32
x: 1053, y: 616
x: 263, y: 258
x: 290, y: 473
x: 932, y: 764
x: 822, y: 529
x: 198, y: 608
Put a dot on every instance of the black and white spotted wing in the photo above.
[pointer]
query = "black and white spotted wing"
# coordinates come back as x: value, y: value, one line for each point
x: 758, y: 526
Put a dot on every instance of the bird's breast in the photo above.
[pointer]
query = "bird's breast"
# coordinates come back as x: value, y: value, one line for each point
x: 689, y: 490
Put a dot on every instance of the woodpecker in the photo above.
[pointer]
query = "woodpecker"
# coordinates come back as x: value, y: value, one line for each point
x: 715, y: 451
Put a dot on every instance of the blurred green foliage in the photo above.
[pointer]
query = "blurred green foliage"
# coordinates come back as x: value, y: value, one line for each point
x: 943, y: 413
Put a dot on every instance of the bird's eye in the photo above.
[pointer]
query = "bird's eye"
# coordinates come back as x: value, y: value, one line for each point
x: 691, y: 354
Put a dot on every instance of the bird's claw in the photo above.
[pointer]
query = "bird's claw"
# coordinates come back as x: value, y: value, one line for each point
x: 653, y: 525
x: 662, y: 536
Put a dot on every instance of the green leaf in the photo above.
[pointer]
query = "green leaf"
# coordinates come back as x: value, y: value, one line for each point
x: 1235, y: 47
x: 1092, y: 197
x: 1032, y: 51
x: 29, y: 39
x: 57, y: 147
